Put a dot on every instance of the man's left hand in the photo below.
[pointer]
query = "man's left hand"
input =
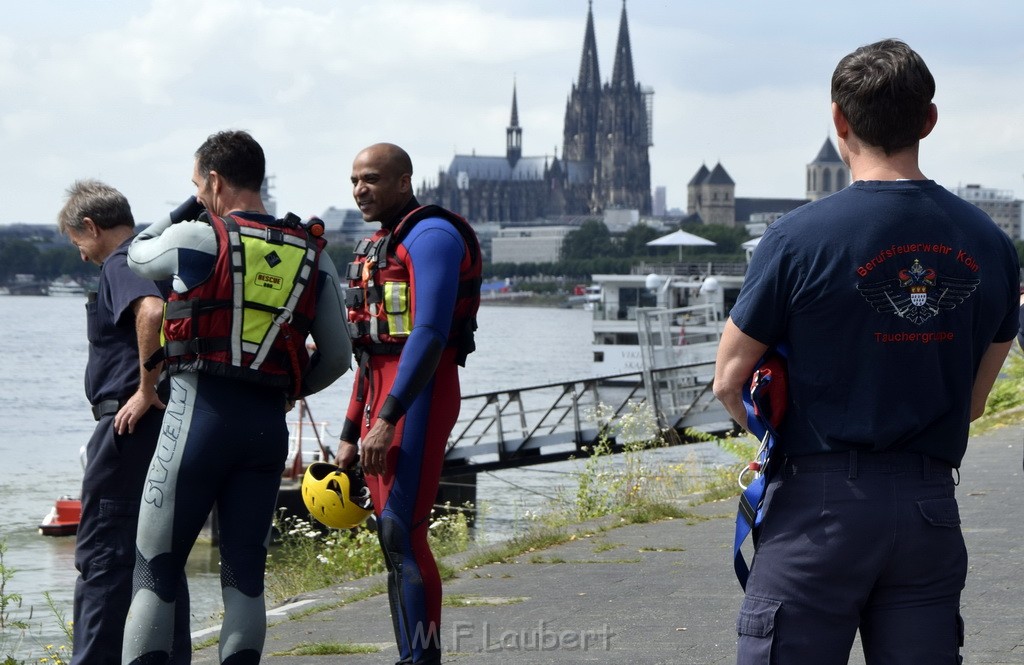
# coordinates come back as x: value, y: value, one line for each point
x: 133, y: 410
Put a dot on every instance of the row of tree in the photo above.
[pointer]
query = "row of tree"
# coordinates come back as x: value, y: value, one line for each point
x: 44, y: 262
x: 588, y: 250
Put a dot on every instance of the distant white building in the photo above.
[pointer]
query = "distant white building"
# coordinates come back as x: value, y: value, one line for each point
x: 532, y: 244
x: 620, y: 220
x: 999, y: 204
x: 658, y: 208
x: 345, y: 226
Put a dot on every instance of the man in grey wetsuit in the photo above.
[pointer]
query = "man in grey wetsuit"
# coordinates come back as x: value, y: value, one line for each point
x: 246, y: 291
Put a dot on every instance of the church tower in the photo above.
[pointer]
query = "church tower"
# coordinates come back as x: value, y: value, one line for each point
x: 827, y: 174
x: 624, y: 177
x: 584, y: 101
x: 514, y: 134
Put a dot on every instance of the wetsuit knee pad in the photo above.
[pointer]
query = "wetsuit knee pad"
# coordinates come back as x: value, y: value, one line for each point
x: 158, y: 575
x: 394, y: 536
x: 246, y: 657
x: 152, y: 658
x: 233, y: 561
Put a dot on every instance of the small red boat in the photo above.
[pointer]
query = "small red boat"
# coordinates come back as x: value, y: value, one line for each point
x: 62, y: 520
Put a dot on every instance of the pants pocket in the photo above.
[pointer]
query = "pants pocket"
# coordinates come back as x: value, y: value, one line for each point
x: 755, y: 626
x: 115, y: 547
x: 940, y: 512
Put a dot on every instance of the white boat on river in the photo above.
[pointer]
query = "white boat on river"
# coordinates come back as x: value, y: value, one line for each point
x: 672, y: 319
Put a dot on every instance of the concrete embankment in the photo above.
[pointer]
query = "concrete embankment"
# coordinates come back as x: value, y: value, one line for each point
x: 660, y: 593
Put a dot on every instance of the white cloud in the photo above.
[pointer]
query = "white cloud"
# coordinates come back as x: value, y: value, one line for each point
x: 127, y: 90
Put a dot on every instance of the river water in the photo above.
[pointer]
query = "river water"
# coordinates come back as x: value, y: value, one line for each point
x: 45, y: 420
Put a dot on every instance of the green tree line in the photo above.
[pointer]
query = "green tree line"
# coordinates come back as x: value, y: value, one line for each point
x: 45, y: 261
x: 588, y: 250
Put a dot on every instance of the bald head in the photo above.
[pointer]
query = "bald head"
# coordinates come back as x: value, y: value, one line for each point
x: 382, y: 182
x: 391, y: 155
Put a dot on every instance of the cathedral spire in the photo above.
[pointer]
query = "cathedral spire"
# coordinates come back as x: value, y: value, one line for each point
x: 622, y: 71
x: 590, y: 74
x: 514, y: 133
x: 515, y: 107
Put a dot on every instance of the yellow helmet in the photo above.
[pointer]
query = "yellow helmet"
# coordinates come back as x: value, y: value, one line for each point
x: 336, y: 497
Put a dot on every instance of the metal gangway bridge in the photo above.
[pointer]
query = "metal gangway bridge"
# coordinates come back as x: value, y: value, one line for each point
x: 562, y: 420
x: 557, y: 421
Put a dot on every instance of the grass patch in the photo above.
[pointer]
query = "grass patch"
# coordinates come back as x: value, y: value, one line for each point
x: 538, y: 538
x: 464, y: 600
x: 606, y: 547
x: 329, y: 649
x: 310, y: 557
x: 1005, y: 404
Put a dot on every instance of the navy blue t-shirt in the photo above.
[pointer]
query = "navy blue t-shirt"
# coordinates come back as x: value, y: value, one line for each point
x: 888, y: 294
x: 113, y: 368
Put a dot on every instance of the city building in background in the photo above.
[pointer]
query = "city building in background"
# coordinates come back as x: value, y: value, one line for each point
x: 1000, y: 205
x: 827, y: 174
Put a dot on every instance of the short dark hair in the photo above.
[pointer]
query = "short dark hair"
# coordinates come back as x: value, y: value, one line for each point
x: 236, y: 156
x: 885, y: 92
x: 98, y: 201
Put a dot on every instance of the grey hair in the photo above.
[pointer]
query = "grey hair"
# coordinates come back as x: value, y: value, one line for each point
x: 98, y: 201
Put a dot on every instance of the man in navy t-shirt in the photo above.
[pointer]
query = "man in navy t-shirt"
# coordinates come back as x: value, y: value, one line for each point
x: 898, y: 304
x: 124, y: 316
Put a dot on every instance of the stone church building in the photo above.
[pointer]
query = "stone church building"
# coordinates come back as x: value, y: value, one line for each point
x: 604, y: 162
x: 711, y: 194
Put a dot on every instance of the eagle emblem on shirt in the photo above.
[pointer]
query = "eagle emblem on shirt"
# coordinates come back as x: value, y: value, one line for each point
x: 917, y: 293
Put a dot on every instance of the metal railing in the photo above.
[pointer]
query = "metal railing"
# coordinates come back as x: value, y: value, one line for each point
x: 556, y: 421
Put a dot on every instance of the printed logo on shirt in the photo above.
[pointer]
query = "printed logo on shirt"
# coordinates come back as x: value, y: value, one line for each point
x: 917, y: 293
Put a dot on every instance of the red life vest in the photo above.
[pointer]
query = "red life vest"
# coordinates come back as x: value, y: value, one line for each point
x: 380, y: 313
x: 249, y: 319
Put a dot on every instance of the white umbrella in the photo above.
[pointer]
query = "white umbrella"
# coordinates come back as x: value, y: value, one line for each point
x: 750, y: 245
x: 680, y: 239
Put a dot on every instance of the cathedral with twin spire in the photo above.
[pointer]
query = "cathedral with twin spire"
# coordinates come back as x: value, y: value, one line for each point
x: 604, y: 162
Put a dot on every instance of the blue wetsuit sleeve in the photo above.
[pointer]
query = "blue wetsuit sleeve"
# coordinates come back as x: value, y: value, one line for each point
x: 436, y: 250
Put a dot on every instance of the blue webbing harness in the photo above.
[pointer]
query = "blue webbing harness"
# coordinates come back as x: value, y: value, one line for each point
x: 764, y: 399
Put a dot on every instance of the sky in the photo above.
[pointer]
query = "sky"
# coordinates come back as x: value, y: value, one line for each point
x: 126, y: 90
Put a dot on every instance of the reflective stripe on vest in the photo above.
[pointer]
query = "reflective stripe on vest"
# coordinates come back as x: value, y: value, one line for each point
x: 396, y: 306
x: 231, y: 323
x: 265, y: 275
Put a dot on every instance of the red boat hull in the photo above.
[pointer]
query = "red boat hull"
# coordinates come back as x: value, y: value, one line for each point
x: 63, y: 518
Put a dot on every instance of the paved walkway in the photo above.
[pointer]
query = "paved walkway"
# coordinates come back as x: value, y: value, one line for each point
x: 659, y: 593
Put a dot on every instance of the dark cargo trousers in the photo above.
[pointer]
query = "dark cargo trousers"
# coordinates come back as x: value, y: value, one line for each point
x: 867, y: 541
x: 105, y: 547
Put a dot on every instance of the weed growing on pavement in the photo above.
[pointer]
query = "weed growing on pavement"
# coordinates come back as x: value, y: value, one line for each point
x: 311, y: 557
x: 329, y: 649
x: 605, y: 485
x: 637, y: 486
x: 1006, y: 401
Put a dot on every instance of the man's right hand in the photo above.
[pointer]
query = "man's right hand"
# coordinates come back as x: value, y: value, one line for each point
x: 347, y: 452
x: 187, y: 211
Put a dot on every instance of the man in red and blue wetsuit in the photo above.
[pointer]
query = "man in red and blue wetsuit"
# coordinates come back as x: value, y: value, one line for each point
x: 412, y: 299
